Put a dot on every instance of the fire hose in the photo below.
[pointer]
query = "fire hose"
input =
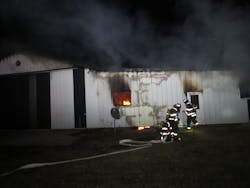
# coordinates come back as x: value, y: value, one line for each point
x: 137, y: 145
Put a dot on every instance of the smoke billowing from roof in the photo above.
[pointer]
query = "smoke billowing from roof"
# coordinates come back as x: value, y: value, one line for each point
x: 98, y: 34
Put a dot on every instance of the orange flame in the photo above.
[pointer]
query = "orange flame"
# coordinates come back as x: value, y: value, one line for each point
x: 126, y: 102
x: 140, y: 128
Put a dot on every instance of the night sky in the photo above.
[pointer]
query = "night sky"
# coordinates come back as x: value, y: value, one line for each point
x: 171, y: 34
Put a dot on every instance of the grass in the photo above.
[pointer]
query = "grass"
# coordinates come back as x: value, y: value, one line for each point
x: 208, y: 156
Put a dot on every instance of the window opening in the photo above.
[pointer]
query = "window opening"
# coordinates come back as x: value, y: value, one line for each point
x: 122, y: 98
x: 195, y: 100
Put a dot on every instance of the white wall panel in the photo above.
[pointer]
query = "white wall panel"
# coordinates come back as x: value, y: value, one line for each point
x: 221, y: 99
x: 62, y: 99
x: 154, y: 92
x: 91, y: 89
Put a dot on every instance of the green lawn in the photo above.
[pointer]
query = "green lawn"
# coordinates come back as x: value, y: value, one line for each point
x: 208, y: 156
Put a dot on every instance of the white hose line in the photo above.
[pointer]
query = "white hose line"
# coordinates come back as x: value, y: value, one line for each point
x: 126, y: 142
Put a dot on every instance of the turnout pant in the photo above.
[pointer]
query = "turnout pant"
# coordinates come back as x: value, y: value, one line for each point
x: 191, y: 119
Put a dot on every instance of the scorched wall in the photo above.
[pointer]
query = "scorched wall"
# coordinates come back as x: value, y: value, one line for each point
x: 153, y: 92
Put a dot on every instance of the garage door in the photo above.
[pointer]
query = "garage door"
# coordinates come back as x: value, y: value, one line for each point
x: 25, y: 101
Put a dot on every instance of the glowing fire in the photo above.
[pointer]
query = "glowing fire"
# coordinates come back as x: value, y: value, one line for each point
x: 126, y: 102
x: 140, y: 128
x: 122, y: 98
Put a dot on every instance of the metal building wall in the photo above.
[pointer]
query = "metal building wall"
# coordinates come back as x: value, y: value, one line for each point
x: 19, y: 63
x: 221, y: 99
x: 62, y: 99
x: 91, y: 89
x: 149, y: 93
x: 153, y: 92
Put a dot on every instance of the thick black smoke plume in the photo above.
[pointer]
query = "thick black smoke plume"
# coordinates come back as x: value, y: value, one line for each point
x: 181, y: 35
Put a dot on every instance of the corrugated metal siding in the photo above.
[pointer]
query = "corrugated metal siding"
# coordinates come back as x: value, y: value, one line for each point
x: 62, y: 99
x: 91, y: 88
x: 221, y: 98
x: 155, y: 92
x: 103, y: 104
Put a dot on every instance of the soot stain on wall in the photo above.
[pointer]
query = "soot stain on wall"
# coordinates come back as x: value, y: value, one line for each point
x: 129, y: 120
x: 190, y: 85
x: 118, y: 83
x: 157, y: 110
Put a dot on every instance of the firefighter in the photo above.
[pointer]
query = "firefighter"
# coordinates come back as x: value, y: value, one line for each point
x: 173, y: 112
x: 194, y: 115
x: 177, y: 106
x: 174, y: 121
x: 167, y: 115
x: 191, y: 113
x: 166, y: 132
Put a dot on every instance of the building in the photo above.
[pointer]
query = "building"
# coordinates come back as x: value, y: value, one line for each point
x: 43, y: 93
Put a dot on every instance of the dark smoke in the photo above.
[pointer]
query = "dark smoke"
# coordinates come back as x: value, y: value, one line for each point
x: 202, y: 35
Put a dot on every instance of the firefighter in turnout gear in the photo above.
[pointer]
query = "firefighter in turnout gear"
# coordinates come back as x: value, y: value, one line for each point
x: 166, y: 132
x: 172, y: 120
x: 191, y: 113
x: 177, y: 106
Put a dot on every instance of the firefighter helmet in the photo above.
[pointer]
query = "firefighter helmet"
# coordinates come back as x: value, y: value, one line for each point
x: 177, y: 106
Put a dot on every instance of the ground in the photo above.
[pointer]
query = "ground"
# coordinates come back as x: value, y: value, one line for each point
x: 207, y: 156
